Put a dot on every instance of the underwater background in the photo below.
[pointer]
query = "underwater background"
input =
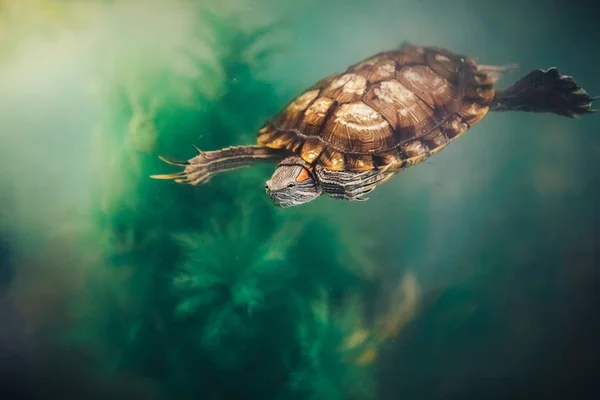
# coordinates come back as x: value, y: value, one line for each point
x: 471, y: 276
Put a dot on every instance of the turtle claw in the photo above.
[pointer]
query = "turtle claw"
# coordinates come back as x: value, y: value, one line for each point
x: 195, y: 171
x: 172, y: 162
x: 176, y: 176
x: 200, y: 152
x: 568, y: 97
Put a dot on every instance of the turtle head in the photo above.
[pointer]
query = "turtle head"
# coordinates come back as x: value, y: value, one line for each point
x: 293, y: 183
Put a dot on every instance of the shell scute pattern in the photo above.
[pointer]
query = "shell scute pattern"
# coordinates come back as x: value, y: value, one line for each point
x: 356, y: 128
x: 396, y: 107
x: 346, y: 88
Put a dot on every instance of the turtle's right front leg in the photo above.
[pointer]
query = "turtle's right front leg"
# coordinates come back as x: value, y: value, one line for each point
x: 350, y: 185
x: 207, y: 164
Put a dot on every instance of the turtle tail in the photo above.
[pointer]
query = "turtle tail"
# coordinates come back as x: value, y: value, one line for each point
x: 545, y: 91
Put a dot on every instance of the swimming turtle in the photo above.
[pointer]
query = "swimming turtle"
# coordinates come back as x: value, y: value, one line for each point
x: 352, y: 131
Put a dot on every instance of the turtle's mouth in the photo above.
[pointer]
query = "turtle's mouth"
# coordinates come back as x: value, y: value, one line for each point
x: 287, y: 198
x: 280, y: 198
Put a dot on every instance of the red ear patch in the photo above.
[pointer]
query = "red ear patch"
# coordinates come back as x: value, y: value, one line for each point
x: 303, y: 175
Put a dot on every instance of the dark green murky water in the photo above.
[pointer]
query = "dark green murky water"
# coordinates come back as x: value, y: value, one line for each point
x: 471, y: 276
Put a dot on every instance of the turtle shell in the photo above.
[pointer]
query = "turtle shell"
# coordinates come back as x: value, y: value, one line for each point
x: 397, y: 107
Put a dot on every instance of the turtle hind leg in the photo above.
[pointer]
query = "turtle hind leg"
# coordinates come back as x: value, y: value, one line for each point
x: 544, y: 91
x: 207, y: 164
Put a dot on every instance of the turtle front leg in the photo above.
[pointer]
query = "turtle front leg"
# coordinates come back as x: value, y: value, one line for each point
x: 207, y: 164
x: 350, y: 185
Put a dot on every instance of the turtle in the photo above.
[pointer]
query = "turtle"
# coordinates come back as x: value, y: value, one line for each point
x: 352, y: 131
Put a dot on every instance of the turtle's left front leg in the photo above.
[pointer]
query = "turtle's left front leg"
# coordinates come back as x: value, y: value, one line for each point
x: 207, y: 164
x: 350, y: 185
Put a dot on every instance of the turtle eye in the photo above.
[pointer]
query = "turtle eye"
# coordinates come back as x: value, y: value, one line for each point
x: 291, y: 185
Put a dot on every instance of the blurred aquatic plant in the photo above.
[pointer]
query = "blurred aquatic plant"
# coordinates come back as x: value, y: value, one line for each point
x: 149, y: 99
x: 402, y: 308
x: 324, y: 371
x: 339, y: 344
x: 231, y: 273
x: 192, y: 278
x: 196, y: 288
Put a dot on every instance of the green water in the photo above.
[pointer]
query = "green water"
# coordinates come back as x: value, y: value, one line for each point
x: 472, y: 275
